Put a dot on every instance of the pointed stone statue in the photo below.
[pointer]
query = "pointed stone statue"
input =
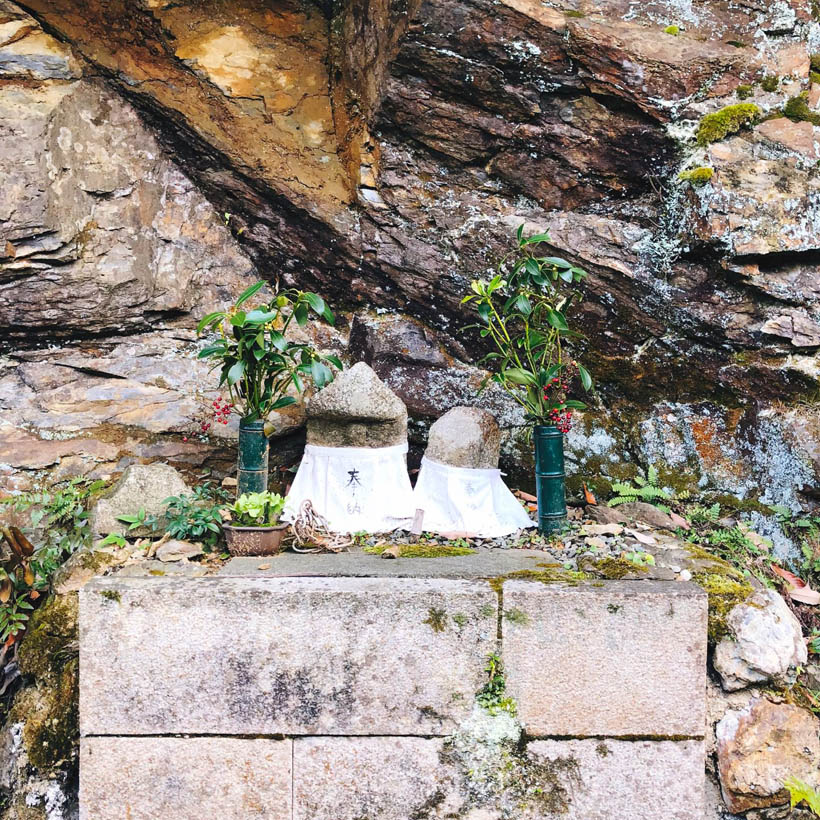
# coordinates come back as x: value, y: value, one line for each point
x: 354, y: 470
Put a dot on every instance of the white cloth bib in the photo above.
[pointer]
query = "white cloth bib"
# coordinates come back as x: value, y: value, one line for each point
x: 462, y: 499
x: 357, y: 489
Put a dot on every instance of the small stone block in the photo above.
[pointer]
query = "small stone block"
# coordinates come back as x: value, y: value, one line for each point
x: 622, y: 658
x: 147, y: 778
x: 622, y: 780
x: 235, y: 656
x: 389, y: 778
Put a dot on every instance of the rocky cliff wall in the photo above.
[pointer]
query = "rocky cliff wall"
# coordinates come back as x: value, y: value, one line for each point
x: 157, y: 155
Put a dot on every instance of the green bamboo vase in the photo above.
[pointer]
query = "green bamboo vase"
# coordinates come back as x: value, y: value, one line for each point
x: 550, y: 479
x: 254, y: 451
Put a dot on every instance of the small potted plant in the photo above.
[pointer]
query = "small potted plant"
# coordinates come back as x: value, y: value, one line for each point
x: 259, y: 365
x: 522, y: 312
x: 254, y: 527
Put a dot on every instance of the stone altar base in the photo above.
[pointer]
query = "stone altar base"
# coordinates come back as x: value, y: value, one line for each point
x: 353, y: 698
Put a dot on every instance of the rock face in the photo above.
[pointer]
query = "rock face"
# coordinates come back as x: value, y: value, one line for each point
x: 765, y: 643
x: 465, y: 437
x: 142, y: 487
x: 760, y: 747
x: 155, y: 152
x: 356, y: 410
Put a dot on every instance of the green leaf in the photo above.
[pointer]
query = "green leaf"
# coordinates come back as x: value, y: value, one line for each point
x: 278, y: 340
x: 532, y: 267
x: 586, y: 379
x: 238, y: 319
x: 523, y: 304
x: 283, y: 401
x: 321, y: 373
x: 556, y: 261
x: 519, y: 233
x: 259, y: 316
x: 205, y: 321
x: 535, y: 239
x: 300, y: 313
x: 557, y: 320
x: 316, y: 302
x: 251, y: 291
x: 517, y: 375
x: 211, y: 350
x: 236, y: 372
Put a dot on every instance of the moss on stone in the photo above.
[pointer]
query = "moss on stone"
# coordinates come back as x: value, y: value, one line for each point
x: 743, y: 92
x: 614, y: 569
x: 814, y: 76
x: 770, y: 83
x: 697, y: 176
x: 111, y: 595
x: 727, y: 121
x: 673, y: 30
x: 48, y: 709
x: 50, y: 714
x: 51, y: 634
x: 422, y: 550
x: 573, y: 13
x: 814, y: 63
x: 797, y: 110
x: 436, y: 619
x: 735, y: 504
x: 516, y: 616
x: 726, y: 589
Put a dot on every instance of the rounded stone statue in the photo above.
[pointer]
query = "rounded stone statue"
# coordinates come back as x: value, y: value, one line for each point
x: 465, y: 437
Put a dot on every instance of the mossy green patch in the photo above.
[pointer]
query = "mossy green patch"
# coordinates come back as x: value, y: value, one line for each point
x: 436, y: 619
x: 797, y: 110
x: 734, y: 504
x: 614, y: 568
x: 111, y: 595
x: 697, y: 176
x: 770, y: 83
x: 573, y: 13
x: 744, y: 92
x: 51, y: 634
x: 48, y: 656
x: 814, y: 76
x: 814, y: 63
x: 727, y: 121
x: 673, y: 30
x: 50, y: 714
x: 726, y: 589
x: 516, y: 616
x: 423, y: 550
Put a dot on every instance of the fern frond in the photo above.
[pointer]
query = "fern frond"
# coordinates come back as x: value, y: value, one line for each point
x: 621, y: 499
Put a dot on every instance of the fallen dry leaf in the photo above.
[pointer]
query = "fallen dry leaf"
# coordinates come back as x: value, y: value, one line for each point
x: 798, y: 589
x: 526, y: 496
x: 589, y: 497
x: 640, y: 537
x: 264, y: 566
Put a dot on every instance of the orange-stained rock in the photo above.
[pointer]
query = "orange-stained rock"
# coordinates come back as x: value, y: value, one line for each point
x: 762, y: 746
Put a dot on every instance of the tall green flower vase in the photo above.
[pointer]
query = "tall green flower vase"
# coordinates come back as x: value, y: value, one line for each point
x: 253, y: 457
x: 550, y: 479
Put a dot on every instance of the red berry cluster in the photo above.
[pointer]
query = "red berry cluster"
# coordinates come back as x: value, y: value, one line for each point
x: 555, y: 393
x: 562, y: 420
x: 220, y: 411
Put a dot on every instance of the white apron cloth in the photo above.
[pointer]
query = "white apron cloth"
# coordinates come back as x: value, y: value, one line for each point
x: 462, y: 499
x: 357, y: 489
